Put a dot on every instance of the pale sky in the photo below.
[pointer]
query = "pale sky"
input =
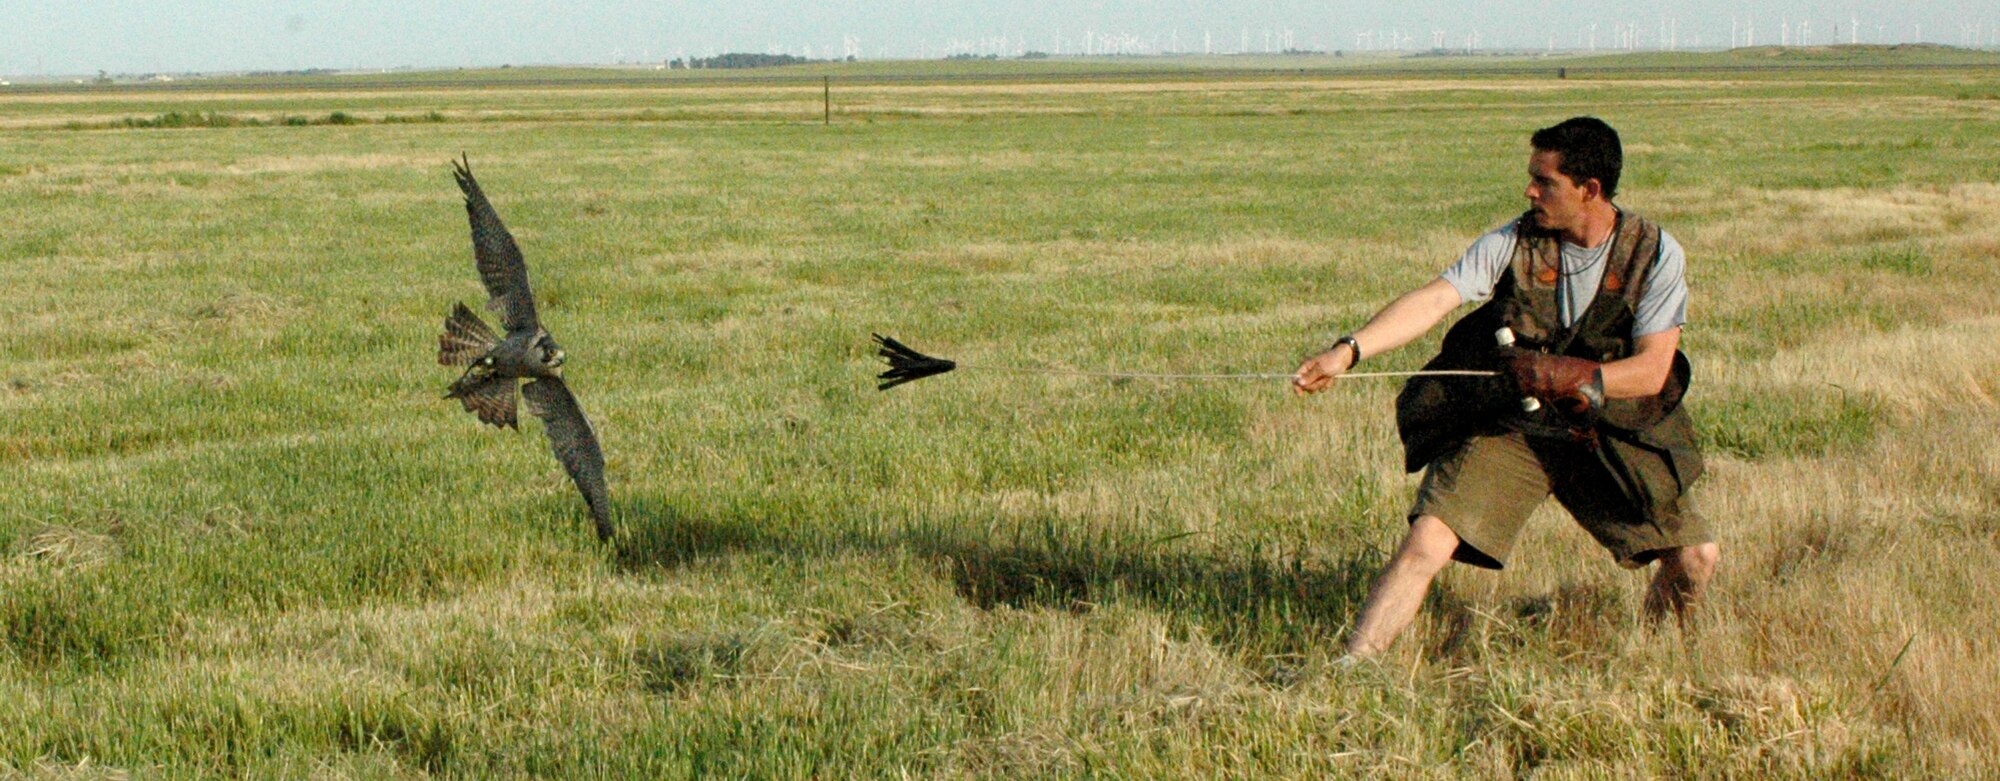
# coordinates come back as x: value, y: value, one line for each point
x: 69, y: 37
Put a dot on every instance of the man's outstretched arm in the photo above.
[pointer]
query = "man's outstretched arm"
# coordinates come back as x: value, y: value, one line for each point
x: 1398, y: 324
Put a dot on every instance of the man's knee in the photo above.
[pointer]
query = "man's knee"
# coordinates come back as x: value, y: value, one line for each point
x: 1698, y: 561
x: 1429, y: 544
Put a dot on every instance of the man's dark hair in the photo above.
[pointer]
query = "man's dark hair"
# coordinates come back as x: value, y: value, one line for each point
x: 1590, y: 150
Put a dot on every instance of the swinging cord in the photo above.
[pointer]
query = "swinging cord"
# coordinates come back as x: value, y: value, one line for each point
x: 1153, y: 376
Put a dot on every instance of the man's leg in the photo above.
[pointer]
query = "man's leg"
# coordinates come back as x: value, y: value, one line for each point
x: 1679, y: 582
x: 1400, y: 589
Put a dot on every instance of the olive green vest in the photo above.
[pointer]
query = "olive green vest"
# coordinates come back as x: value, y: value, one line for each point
x: 1646, y: 444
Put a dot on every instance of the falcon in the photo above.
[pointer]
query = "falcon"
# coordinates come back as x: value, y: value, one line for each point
x: 496, y: 362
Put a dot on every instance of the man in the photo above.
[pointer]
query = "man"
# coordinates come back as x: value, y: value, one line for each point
x: 1593, y: 298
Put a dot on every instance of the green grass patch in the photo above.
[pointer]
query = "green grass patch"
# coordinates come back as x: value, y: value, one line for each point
x: 1788, y: 423
x: 182, y: 120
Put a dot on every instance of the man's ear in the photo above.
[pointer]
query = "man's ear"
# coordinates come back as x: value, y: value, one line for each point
x: 1592, y: 188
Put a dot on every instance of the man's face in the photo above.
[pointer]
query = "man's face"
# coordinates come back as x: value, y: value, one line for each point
x: 1558, y: 201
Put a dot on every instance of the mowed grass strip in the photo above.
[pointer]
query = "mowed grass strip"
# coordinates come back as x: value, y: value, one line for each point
x: 244, y: 536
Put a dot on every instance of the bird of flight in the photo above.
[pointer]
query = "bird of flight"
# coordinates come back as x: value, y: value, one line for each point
x: 495, y: 364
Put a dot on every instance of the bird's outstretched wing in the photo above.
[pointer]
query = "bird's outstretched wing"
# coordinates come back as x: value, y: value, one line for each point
x: 500, y: 264
x: 575, y: 444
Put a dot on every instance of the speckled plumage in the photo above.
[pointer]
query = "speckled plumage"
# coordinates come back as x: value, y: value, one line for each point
x: 495, y: 364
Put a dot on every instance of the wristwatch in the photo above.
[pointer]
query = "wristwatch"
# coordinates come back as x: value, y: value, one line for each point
x: 1352, y: 345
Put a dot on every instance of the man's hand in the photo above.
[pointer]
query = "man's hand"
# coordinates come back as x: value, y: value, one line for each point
x: 1576, y: 385
x: 1319, y: 371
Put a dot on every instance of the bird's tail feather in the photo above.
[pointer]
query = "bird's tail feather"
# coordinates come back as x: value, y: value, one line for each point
x: 465, y: 339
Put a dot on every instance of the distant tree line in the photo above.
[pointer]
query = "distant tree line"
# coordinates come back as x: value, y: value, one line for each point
x: 743, y: 60
x: 300, y: 72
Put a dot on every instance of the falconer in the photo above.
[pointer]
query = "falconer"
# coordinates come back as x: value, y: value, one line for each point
x: 1593, y: 298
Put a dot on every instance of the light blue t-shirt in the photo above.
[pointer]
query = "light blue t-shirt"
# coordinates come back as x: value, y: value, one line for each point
x: 1662, y: 307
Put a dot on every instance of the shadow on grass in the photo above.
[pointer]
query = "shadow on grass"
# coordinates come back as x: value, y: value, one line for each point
x: 1275, y: 604
x: 659, y: 536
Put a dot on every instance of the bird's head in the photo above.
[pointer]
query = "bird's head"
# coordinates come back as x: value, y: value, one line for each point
x: 551, y: 354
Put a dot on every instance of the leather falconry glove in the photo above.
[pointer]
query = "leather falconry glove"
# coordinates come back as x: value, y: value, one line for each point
x: 1574, y: 385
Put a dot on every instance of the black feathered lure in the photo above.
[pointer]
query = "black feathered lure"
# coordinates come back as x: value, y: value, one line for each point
x: 905, y: 364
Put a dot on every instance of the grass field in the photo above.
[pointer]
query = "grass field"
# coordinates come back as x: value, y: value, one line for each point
x: 243, y: 536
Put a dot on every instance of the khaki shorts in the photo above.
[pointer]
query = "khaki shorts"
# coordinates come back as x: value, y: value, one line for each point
x: 1485, y: 489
